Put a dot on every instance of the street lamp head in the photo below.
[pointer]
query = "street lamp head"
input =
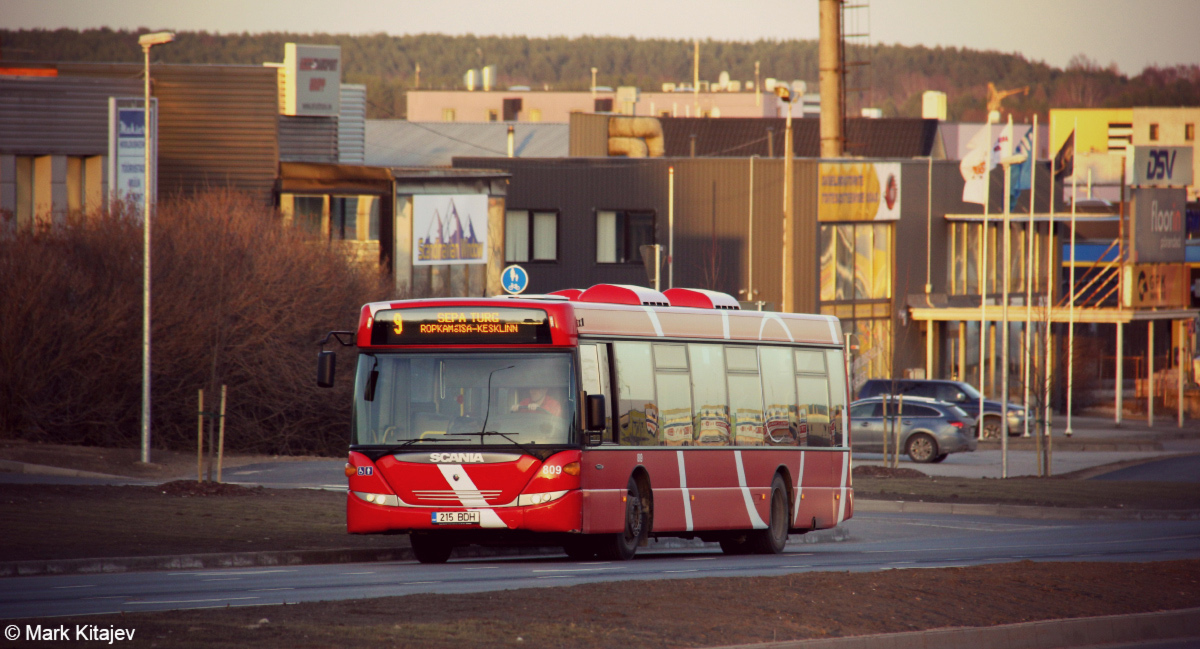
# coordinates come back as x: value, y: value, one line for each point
x: 783, y: 93
x: 156, y: 38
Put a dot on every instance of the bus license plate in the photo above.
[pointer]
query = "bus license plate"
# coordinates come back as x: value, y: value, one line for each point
x: 455, y: 518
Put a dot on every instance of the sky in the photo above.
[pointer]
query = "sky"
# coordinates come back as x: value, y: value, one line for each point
x: 1131, y: 33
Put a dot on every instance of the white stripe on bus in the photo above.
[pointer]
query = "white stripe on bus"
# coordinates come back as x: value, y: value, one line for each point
x: 725, y: 323
x: 842, y: 498
x: 487, y: 516
x: 799, y: 491
x: 833, y: 330
x: 756, y: 521
x: 654, y: 320
x: 687, y: 499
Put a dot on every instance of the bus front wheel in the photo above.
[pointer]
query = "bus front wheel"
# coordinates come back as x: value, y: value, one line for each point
x: 623, y: 545
x: 428, y: 548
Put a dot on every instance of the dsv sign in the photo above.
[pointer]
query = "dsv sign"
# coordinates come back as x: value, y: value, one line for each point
x: 1159, y: 166
x: 1157, y: 285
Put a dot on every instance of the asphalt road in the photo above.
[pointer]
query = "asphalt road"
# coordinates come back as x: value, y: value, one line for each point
x: 869, y: 542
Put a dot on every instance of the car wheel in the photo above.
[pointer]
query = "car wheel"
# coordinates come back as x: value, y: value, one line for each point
x: 623, y: 545
x: 430, y: 548
x: 940, y: 458
x: 921, y: 448
x: 773, y: 539
x: 991, y: 428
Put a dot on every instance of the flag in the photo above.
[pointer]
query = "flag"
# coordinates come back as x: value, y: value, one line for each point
x: 975, y: 166
x: 1020, y: 174
x: 1064, y: 160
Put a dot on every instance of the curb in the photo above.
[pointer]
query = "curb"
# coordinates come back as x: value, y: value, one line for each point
x: 1021, y: 511
x: 1047, y: 634
x: 11, y: 466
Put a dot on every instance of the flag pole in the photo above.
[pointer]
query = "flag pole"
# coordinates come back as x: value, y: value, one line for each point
x: 1045, y: 432
x: 1004, y: 355
x: 987, y: 187
x: 1030, y: 237
x: 1071, y: 312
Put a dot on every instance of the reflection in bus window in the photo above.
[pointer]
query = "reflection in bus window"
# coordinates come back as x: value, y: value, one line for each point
x: 745, y: 395
x: 812, y: 386
x: 708, y: 395
x: 674, y: 395
x: 635, y: 388
x: 837, y: 396
x: 779, y: 396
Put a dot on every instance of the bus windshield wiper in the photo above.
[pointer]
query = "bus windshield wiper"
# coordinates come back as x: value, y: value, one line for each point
x: 432, y: 439
x: 486, y: 433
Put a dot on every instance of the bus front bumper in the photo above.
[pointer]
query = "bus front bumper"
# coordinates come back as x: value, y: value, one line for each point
x: 561, y: 515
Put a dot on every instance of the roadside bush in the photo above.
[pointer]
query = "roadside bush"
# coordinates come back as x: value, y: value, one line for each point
x: 236, y: 299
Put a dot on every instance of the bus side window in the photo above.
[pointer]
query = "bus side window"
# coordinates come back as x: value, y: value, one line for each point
x: 779, y: 396
x: 674, y: 395
x: 745, y: 395
x: 812, y: 388
x: 638, y: 411
x: 711, y: 420
x: 837, y: 396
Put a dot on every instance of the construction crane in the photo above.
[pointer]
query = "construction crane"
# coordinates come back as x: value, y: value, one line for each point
x: 996, y: 96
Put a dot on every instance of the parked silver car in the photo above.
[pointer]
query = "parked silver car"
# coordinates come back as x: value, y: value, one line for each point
x: 929, y: 429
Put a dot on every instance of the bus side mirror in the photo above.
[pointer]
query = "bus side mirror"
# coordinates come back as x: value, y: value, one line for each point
x: 326, y: 364
x: 594, y: 415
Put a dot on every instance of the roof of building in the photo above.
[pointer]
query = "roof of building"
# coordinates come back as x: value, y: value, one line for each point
x: 400, y: 143
x: 742, y: 136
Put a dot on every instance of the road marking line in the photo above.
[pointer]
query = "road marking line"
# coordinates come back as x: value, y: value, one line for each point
x: 224, y: 579
x: 267, y: 590
x: 572, y: 569
x: 207, y: 574
x: 358, y: 573
x: 668, y: 572
x: 482, y: 568
x: 414, y: 583
x: 191, y: 601
x: 554, y: 576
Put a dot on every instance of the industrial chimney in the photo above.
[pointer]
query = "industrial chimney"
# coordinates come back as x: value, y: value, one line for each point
x: 832, y: 79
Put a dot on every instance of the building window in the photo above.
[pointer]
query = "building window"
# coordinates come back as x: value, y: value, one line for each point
x: 856, y: 261
x: 308, y: 212
x: 512, y: 109
x: 1189, y: 132
x: 603, y: 105
x: 535, y: 114
x: 620, y: 234
x: 1154, y: 132
x: 530, y: 236
x: 493, y: 115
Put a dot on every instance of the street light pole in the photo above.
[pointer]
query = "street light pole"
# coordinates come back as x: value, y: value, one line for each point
x: 788, y: 303
x: 147, y: 41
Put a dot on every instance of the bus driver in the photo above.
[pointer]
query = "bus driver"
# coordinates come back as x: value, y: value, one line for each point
x: 539, y: 401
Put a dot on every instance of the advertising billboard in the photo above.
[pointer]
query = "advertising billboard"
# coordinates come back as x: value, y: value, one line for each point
x: 450, y: 229
x: 1156, y: 285
x: 313, y: 80
x: 1158, y: 225
x: 1159, y: 166
x: 127, y: 149
x: 858, y: 191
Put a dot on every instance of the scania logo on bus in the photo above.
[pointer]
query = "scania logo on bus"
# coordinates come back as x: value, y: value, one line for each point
x: 455, y: 458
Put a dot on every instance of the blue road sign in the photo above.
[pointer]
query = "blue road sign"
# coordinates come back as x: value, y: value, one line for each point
x: 514, y: 279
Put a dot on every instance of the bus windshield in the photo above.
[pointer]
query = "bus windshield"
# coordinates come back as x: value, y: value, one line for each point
x: 426, y: 398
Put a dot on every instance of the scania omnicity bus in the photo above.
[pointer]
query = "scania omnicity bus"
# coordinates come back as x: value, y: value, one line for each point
x: 595, y: 420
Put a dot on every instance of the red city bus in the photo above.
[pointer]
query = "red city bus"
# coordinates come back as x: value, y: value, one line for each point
x: 595, y: 421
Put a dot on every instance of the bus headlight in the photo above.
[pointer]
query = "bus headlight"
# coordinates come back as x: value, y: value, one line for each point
x: 525, y: 500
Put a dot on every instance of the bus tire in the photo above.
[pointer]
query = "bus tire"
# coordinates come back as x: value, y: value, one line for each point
x: 773, y: 539
x: 429, y: 548
x: 623, y: 545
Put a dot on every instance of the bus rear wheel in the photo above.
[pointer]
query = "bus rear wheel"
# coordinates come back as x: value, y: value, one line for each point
x: 429, y: 548
x: 773, y: 539
x: 623, y: 545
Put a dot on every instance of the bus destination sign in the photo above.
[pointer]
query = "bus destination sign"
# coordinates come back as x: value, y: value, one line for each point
x: 461, y: 326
